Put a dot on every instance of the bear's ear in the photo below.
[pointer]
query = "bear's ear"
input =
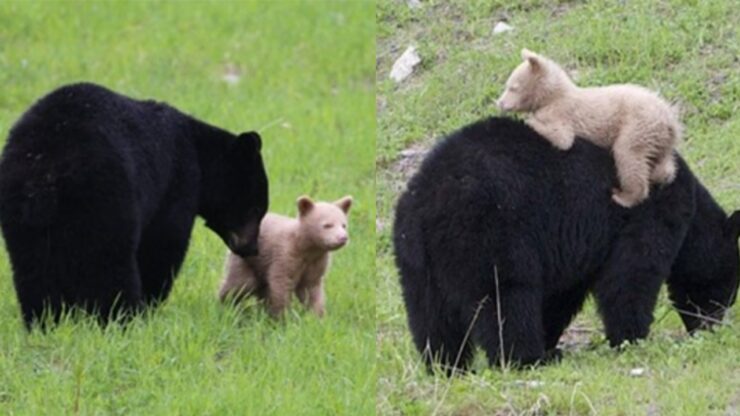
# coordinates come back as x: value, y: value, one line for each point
x: 250, y: 140
x: 305, y: 205
x: 532, y: 58
x: 733, y: 224
x: 345, y: 203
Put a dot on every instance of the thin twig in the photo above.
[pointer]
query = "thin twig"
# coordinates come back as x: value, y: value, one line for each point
x: 500, y: 321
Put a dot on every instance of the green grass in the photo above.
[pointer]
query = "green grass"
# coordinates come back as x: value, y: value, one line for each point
x: 685, y: 49
x: 307, y: 86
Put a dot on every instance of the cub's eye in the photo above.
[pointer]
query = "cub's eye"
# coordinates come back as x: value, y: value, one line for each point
x: 344, y: 226
x: 513, y: 88
x: 327, y: 226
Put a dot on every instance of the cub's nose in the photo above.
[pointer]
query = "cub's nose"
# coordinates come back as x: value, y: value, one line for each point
x: 342, y: 240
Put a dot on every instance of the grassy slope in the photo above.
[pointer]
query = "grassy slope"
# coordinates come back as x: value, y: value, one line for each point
x: 686, y: 49
x: 307, y: 85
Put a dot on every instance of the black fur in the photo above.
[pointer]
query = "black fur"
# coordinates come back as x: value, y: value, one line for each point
x: 99, y: 192
x: 496, y: 200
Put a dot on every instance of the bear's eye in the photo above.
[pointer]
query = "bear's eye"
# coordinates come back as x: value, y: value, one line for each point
x: 344, y: 226
x: 328, y: 225
x: 513, y: 88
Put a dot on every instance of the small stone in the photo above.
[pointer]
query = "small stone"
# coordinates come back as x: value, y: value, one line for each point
x: 637, y: 372
x: 404, y: 66
x: 232, y: 75
x: 410, y: 152
x: 379, y: 226
x: 231, y: 79
x: 501, y: 27
x: 413, y: 4
x: 532, y: 384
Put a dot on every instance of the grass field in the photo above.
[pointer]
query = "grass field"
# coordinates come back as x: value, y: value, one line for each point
x: 305, y: 82
x: 685, y: 49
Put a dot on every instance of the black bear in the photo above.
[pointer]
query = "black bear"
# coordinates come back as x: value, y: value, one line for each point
x: 99, y: 192
x: 497, y: 220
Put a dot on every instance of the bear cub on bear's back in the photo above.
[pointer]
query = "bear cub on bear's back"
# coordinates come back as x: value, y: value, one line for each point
x: 640, y: 128
x: 294, y: 255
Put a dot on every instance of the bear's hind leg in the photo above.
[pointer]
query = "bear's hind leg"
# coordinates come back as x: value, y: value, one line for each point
x: 74, y: 264
x: 517, y: 332
x: 440, y: 338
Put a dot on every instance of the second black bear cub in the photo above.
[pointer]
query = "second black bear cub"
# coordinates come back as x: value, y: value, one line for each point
x: 99, y: 192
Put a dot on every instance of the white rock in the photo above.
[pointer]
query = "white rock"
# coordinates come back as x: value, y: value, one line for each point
x: 231, y: 78
x: 532, y: 384
x: 404, y: 66
x: 501, y: 27
x: 637, y: 372
x: 379, y: 226
x: 413, y: 4
x: 411, y: 152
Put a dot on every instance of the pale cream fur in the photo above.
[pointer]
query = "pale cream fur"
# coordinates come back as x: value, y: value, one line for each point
x: 294, y: 255
x: 639, y: 126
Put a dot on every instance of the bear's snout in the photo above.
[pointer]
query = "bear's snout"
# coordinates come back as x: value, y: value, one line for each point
x: 244, y: 243
x: 244, y: 250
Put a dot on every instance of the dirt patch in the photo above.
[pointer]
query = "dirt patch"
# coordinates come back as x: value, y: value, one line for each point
x: 409, y: 160
x: 576, y: 337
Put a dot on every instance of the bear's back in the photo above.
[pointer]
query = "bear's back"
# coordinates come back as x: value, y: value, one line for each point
x: 84, y: 141
x: 87, y: 114
x: 496, y: 186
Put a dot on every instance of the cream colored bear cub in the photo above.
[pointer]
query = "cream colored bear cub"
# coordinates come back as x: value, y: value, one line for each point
x: 639, y: 126
x: 293, y: 257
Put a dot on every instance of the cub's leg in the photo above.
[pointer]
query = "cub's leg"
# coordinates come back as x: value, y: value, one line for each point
x: 665, y: 169
x: 556, y: 132
x: 240, y: 281
x: 633, y: 171
x: 310, y: 290
x: 281, y: 284
x: 313, y: 297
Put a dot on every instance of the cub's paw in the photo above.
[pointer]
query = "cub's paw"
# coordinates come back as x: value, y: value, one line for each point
x: 624, y: 199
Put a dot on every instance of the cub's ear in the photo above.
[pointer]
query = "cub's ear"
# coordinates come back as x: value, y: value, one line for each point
x: 345, y: 203
x: 532, y: 58
x: 250, y: 140
x: 733, y: 224
x: 305, y: 205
